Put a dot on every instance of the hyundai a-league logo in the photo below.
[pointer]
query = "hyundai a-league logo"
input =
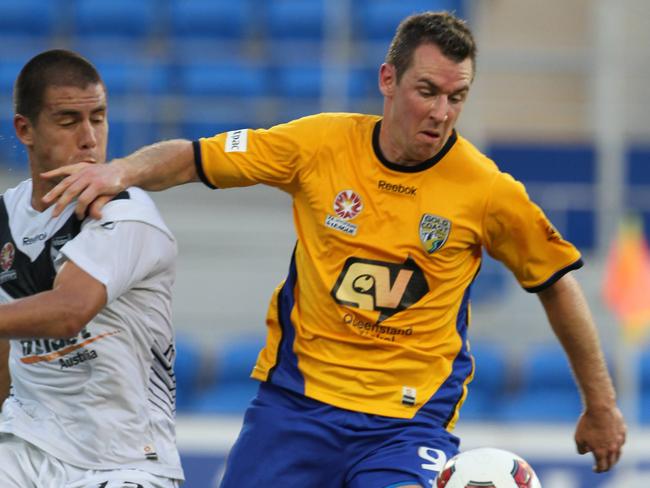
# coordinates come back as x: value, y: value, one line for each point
x: 7, y: 255
x: 347, y: 205
x: 434, y: 231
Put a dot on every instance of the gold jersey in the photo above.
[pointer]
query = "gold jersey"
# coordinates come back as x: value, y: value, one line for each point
x: 373, y: 315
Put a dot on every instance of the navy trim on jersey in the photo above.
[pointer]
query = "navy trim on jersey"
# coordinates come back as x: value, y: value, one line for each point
x: 285, y: 372
x: 535, y: 289
x: 196, y: 145
x: 37, y: 276
x: 418, y: 167
x: 123, y: 195
x: 443, y: 405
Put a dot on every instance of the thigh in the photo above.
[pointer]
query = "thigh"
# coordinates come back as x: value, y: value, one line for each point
x: 286, y: 440
x: 117, y: 478
x: 410, y: 456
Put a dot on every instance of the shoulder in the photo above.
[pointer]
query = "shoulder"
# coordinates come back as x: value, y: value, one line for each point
x: 19, y: 193
x: 472, y: 155
x: 335, y: 121
x: 133, y: 205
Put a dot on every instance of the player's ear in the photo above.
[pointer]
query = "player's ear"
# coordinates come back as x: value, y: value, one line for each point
x: 387, y: 79
x: 24, y: 129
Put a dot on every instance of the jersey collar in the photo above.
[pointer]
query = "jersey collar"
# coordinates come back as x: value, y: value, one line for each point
x: 418, y: 167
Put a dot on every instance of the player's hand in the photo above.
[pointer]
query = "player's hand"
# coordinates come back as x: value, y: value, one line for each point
x: 601, y: 432
x: 93, y: 185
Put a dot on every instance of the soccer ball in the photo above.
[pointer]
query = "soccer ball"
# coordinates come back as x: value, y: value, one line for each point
x: 487, y: 467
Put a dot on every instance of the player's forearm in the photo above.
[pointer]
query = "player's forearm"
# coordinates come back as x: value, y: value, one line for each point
x: 5, y: 378
x: 571, y: 320
x: 159, y: 166
x: 45, y: 315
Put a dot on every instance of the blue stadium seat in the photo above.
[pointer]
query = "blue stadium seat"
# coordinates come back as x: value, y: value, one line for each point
x: 293, y: 30
x: 378, y: 19
x: 188, y: 370
x: 28, y: 18
x: 209, y: 29
x: 306, y: 81
x: 119, y: 18
x: 214, y: 19
x: 490, y: 384
x: 9, y: 69
x: 364, y: 82
x: 134, y: 77
x: 295, y: 19
x: 28, y: 27
x: 127, y: 133
x: 547, y: 392
x: 233, y: 388
x: 638, y: 162
x: 491, y: 282
x: 644, y: 373
x: 117, y: 29
x: 299, y: 81
x: 224, y: 79
x: 12, y: 152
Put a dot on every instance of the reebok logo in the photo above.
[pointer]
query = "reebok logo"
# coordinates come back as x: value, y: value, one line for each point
x: 27, y: 241
x: 401, y: 189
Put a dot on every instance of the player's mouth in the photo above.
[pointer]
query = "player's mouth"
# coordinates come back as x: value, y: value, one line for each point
x: 85, y: 159
x: 431, y: 136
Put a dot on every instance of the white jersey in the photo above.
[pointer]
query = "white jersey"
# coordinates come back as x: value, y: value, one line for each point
x: 104, y: 399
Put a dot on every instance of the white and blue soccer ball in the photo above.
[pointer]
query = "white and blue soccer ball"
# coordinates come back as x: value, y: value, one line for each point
x: 487, y: 467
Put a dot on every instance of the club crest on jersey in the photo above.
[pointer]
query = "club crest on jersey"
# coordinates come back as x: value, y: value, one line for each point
x: 434, y: 231
x: 347, y: 205
x: 7, y: 255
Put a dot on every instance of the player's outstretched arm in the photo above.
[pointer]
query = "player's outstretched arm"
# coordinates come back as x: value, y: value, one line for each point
x: 75, y: 298
x: 154, y: 168
x: 601, y: 429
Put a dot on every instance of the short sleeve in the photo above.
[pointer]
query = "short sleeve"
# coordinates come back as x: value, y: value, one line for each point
x: 521, y: 236
x: 272, y: 156
x: 120, y: 254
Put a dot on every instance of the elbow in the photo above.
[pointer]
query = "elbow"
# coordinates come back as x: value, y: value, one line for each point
x: 73, y: 321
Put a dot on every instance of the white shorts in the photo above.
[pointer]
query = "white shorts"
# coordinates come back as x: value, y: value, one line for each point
x: 23, y: 465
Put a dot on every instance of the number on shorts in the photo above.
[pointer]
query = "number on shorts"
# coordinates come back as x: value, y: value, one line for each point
x: 436, y: 458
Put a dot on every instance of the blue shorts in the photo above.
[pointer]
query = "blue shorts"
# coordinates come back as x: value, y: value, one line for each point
x: 290, y: 440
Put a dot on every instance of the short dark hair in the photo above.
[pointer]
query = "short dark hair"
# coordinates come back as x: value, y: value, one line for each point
x: 56, y: 67
x: 443, y: 29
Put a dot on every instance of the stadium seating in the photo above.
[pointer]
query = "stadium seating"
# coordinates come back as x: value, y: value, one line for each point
x: 491, y: 282
x: 222, y: 79
x: 233, y: 388
x: 295, y: 19
x: 188, y: 368
x: 117, y: 18
x: 378, y: 19
x: 29, y: 18
x: 490, y: 384
x: 209, y: 29
x: 547, y: 391
x: 215, y: 19
x: 644, y: 373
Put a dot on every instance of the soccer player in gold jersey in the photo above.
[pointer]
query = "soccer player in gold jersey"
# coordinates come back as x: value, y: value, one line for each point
x: 367, y: 358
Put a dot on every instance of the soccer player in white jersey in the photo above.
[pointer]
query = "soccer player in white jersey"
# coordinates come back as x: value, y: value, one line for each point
x: 86, y: 306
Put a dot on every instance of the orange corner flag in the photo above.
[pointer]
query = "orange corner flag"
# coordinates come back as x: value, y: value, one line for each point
x: 626, y: 288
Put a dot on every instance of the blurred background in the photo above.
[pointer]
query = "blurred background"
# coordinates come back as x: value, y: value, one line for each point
x: 560, y: 101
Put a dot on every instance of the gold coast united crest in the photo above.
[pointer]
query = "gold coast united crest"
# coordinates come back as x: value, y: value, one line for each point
x: 434, y: 231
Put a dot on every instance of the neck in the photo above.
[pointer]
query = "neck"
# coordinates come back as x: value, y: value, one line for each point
x: 389, y: 147
x: 39, y: 188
